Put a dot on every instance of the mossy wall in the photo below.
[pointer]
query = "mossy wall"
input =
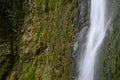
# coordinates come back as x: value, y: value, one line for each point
x: 41, y: 40
x: 111, y: 62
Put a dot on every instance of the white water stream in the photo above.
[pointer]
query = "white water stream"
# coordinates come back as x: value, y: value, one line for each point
x: 94, y: 39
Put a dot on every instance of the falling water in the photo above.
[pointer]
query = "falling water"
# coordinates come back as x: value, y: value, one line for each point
x: 94, y: 39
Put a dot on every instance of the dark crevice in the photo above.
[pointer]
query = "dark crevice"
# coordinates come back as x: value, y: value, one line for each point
x: 11, y: 20
x: 42, y: 48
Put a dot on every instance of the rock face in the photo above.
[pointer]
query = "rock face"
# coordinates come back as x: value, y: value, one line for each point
x: 112, y: 60
x: 82, y: 13
x: 36, y: 38
x: 40, y: 42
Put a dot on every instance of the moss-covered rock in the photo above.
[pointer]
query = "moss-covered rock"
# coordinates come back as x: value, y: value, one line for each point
x: 44, y: 42
x: 112, y: 61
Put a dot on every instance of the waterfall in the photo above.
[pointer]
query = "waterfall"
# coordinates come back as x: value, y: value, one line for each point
x: 94, y: 39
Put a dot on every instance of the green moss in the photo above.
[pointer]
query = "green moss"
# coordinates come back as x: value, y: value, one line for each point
x: 116, y: 48
x: 112, y: 71
x: 28, y: 75
x: 41, y: 47
x: 49, y: 31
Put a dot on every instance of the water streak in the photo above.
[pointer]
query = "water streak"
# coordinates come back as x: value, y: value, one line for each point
x: 95, y: 38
